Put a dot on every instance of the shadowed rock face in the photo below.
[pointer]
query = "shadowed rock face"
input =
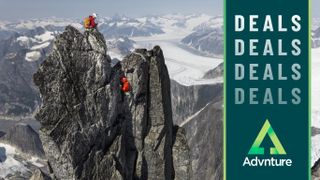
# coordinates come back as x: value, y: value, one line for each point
x: 2, y: 134
x: 315, y: 170
x: 91, y: 130
x: 198, y: 110
x: 3, y: 156
x: 39, y: 175
x: 187, y: 100
x: 18, y: 95
x: 24, y: 138
x: 215, y: 73
x: 316, y: 38
x: 205, y: 138
x: 315, y: 131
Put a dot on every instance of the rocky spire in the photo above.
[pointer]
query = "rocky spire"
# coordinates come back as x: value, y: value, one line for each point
x: 91, y: 130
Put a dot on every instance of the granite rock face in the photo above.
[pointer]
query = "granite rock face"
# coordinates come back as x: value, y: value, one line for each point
x: 181, y: 155
x: 91, y: 130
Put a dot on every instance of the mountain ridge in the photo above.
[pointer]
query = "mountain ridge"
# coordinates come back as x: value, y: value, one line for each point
x: 89, y: 126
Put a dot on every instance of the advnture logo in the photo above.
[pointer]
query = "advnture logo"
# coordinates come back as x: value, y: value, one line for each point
x: 276, y: 150
x: 267, y: 129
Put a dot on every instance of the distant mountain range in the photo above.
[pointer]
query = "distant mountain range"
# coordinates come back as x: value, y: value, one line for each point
x: 26, y: 43
x: 207, y: 37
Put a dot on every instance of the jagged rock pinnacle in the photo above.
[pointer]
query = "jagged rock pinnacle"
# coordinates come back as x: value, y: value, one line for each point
x: 91, y: 130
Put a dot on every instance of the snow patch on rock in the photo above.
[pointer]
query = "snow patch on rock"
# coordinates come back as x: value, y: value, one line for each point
x: 40, y: 46
x: 33, y: 56
x: 47, y: 36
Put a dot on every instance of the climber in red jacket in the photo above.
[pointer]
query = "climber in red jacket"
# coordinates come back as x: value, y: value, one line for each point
x: 89, y: 22
x: 125, y: 85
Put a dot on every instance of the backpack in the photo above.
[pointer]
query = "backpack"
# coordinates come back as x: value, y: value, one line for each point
x: 86, y: 22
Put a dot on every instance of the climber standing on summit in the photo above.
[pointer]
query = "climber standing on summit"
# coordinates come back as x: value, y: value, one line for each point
x: 90, y: 23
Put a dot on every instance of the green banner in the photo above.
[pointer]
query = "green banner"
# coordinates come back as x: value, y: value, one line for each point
x: 267, y: 119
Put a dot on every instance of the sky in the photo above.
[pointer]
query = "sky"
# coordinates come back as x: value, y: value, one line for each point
x: 13, y: 10
x: 315, y: 8
x: 25, y: 9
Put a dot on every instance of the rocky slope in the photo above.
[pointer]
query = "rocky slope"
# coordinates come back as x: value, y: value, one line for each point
x: 316, y: 38
x: 23, y: 137
x: 39, y: 175
x: 215, y: 73
x: 90, y: 130
x: 208, y: 42
x: 187, y: 100
x: 207, y: 38
x: 2, y: 134
x: 205, y: 138
x: 21, y: 153
x: 316, y: 171
x: 20, y: 56
x: 315, y: 131
x: 120, y: 46
x: 198, y: 110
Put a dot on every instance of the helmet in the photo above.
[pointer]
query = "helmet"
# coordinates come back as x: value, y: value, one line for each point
x: 94, y: 15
